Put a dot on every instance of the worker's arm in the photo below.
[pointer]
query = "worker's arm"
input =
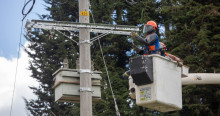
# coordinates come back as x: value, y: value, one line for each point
x: 150, y: 39
x: 138, y: 50
x: 139, y: 38
x: 147, y: 41
x: 173, y: 57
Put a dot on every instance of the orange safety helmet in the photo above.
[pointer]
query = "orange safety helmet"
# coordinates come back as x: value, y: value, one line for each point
x: 153, y: 24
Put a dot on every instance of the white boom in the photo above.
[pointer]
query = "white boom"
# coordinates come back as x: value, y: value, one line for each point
x: 201, y: 78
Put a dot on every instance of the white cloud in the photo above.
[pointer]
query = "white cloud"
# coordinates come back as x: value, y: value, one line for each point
x: 7, y: 77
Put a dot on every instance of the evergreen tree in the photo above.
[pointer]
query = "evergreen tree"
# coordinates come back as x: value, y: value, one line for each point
x: 117, y: 50
x: 47, y: 54
x: 193, y: 30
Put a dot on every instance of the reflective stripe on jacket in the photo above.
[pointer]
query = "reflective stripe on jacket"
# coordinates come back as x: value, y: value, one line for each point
x: 153, y: 48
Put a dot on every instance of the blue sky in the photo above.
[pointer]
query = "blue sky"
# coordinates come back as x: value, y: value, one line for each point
x: 10, y: 24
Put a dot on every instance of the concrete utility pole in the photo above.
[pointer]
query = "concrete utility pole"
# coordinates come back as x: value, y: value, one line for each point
x: 85, y: 61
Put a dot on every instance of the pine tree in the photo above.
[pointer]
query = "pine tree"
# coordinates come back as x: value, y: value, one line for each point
x: 114, y: 48
x: 117, y: 51
x: 48, y: 53
x: 194, y: 38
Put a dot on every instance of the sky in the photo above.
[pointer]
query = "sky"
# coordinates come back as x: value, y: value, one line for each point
x: 10, y: 24
x: 10, y: 28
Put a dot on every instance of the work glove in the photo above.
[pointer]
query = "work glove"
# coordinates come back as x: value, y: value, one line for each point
x: 136, y: 48
x: 133, y: 34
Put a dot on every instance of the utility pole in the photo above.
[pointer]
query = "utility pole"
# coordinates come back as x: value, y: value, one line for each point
x: 85, y: 61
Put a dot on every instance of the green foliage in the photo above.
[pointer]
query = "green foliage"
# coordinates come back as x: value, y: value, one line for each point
x: 193, y: 33
x: 47, y: 55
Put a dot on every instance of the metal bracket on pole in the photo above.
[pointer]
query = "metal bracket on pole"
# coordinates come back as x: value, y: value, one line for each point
x: 85, y: 41
x: 85, y: 71
x: 85, y: 89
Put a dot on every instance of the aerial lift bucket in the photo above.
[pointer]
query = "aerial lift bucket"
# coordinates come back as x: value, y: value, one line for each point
x: 162, y: 88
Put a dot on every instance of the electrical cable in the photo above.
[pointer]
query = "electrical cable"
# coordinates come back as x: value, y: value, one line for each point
x: 67, y: 37
x: 25, y: 14
x: 99, y: 37
x: 131, y: 2
x: 18, y: 55
x: 106, y: 69
x: 16, y: 69
x: 116, y: 106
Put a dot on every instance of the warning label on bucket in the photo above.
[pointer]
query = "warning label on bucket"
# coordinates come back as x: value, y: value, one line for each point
x: 145, y: 94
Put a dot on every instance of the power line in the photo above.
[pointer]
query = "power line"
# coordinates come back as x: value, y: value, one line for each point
x: 67, y: 37
x: 113, y: 95
x: 131, y: 2
x: 18, y: 55
x: 116, y: 106
x: 25, y: 14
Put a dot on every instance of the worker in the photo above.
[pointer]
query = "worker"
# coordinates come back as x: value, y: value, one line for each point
x: 163, y: 53
x: 150, y: 40
x: 151, y: 44
x: 163, y: 49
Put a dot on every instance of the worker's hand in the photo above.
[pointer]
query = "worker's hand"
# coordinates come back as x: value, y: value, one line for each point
x: 136, y: 48
x: 133, y: 34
